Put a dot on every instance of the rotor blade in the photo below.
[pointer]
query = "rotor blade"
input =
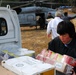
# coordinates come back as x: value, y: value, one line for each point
x: 29, y: 3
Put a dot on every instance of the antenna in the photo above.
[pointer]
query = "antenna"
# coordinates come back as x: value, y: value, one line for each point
x: 34, y: 2
x: 0, y: 2
x: 8, y: 6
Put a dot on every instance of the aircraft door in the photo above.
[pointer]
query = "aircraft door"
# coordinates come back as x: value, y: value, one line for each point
x: 41, y: 20
x: 27, y: 19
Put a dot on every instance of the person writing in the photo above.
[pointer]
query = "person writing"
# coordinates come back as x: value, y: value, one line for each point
x: 65, y: 43
x: 52, y: 25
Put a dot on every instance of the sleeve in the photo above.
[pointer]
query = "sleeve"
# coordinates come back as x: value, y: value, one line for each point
x: 51, y: 45
x: 74, y: 69
x: 70, y: 18
x: 49, y: 29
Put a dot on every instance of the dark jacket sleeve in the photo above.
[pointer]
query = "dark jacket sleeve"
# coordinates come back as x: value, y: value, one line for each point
x: 74, y: 69
x: 70, y: 18
x: 51, y: 45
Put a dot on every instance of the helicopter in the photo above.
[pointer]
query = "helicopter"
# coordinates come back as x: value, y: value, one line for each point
x: 30, y: 11
x: 30, y: 15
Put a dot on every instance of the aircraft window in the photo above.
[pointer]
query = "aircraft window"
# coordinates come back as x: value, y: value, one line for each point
x: 30, y: 17
x: 3, y: 27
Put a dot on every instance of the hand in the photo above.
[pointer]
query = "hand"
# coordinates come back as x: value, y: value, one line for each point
x: 48, y: 35
x: 73, y: 73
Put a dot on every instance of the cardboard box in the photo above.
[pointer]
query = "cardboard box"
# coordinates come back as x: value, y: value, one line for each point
x: 49, y: 72
x: 25, y: 64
